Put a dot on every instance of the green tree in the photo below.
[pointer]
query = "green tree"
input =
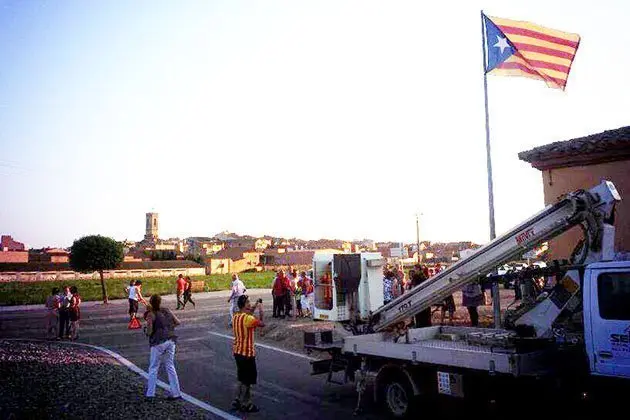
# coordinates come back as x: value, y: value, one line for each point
x: 96, y: 253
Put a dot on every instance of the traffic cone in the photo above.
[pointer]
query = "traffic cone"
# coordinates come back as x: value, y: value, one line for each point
x: 134, y: 324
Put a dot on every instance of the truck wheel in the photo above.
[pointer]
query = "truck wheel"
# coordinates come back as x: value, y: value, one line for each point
x: 397, y: 397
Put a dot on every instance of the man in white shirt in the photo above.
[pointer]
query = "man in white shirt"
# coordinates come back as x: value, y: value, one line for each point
x: 238, y: 289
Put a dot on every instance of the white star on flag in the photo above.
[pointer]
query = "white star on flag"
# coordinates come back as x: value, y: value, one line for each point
x: 501, y: 43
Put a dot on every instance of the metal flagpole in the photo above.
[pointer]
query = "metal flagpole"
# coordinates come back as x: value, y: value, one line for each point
x: 496, y: 299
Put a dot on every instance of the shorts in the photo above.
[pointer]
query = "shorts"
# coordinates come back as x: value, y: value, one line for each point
x: 246, y: 369
x: 133, y: 306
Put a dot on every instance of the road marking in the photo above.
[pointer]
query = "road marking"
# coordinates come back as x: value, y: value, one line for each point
x: 265, y: 346
x: 145, y: 375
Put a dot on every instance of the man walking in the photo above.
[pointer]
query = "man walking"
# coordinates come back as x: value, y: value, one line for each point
x: 238, y: 290
x: 244, y: 354
x: 181, y: 286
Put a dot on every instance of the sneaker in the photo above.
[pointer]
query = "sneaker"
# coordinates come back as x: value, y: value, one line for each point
x: 171, y: 398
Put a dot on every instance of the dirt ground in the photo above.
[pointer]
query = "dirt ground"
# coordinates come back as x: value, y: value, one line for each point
x: 289, y: 334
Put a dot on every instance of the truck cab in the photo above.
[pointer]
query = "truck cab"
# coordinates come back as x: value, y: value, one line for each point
x: 606, y: 297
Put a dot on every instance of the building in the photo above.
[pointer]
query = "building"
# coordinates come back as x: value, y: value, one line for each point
x: 262, y: 244
x: 51, y: 255
x: 8, y: 244
x: 581, y: 163
x: 233, y: 260
x: 12, y: 251
x: 152, y: 228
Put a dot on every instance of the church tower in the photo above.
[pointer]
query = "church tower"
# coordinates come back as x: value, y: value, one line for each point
x: 152, y: 227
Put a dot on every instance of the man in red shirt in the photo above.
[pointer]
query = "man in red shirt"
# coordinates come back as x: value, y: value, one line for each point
x: 278, y: 291
x: 181, y: 286
x: 244, y: 324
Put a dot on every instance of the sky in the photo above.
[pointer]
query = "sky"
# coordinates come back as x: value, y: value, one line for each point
x: 311, y: 119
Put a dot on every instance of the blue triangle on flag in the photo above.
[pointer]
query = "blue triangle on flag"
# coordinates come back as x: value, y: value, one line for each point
x: 498, y: 46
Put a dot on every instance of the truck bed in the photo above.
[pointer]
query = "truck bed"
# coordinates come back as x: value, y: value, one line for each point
x: 452, y: 346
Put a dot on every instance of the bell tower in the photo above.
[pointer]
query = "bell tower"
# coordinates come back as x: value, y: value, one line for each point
x: 151, y: 227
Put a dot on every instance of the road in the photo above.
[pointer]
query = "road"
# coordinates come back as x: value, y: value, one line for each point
x: 204, y: 360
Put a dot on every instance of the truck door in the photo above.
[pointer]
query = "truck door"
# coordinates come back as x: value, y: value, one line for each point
x: 610, y: 321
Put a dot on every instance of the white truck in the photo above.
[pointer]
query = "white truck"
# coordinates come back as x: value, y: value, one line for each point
x: 572, y: 339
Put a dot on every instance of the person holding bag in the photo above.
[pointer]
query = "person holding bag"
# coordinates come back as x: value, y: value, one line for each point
x: 161, y: 323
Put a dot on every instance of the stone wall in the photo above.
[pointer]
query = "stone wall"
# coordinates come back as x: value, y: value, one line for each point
x: 113, y: 274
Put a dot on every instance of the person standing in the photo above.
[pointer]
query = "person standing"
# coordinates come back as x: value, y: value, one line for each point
x: 421, y: 319
x: 75, y: 313
x: 188, y: 293
x: 64, y: 313
x: 238, y: 290
x: 161, y: 323
x: 278, y: 291
x: 135, y: 296
x: 52, y: 313
x: 181, y: 286
x: 308, y: 292
x: 472, y: 297
x: 388, y: 286
x: 244, y: 353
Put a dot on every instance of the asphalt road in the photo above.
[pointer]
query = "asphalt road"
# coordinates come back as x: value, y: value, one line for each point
x: 204, y: 359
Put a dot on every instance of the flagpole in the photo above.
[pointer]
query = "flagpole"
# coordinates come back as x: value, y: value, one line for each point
x: 496, y: 299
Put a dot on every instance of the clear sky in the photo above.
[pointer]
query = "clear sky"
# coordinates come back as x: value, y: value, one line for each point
x: 295, y: 118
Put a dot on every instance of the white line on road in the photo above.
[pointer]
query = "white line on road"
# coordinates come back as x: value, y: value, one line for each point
x: 145, y: 375
x: 266, y: 346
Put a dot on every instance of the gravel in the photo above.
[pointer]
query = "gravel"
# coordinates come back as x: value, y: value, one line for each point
x: 53, y: 380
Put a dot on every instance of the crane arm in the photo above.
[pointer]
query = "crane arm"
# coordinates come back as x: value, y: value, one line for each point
x: 591, y: 208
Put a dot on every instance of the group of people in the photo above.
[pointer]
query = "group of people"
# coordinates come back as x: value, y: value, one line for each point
x: 184, y: 292
x: 395, y: 283
x: 160, y: 329
x: 63, y: 313
x: 292, y: 294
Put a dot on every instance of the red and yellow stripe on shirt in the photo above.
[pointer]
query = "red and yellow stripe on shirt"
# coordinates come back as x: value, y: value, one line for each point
x: 541, y: 53
x: 243, y: 325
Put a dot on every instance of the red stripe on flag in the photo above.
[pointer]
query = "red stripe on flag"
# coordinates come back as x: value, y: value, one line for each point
x: 542, y: 50
x: 523, y: 68
x: 550, y: 66
x: 534, y: 34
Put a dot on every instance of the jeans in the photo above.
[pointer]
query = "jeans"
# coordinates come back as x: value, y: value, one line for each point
x: 163, y: 353
x: 64, y: 323
x: 233, y: 309
x: 474, y: 316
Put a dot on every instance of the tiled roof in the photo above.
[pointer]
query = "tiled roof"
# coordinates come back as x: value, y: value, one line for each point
x: 596, y: 148
x: 235, y: 253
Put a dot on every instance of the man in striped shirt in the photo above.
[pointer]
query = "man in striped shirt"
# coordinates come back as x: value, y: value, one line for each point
x: 243, y: 325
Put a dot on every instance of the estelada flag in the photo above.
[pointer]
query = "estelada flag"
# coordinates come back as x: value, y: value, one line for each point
x: 134, y: 324
x: 525, y: 49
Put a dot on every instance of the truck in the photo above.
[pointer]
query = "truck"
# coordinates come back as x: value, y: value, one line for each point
x: 568, y: 340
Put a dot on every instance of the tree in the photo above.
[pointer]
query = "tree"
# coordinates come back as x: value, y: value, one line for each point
x: 96, y: 253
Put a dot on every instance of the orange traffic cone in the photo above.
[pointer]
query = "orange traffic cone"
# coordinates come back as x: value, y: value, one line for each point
x: 134, y: 324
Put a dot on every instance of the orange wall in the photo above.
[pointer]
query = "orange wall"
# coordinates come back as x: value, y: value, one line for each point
x: 13, y: 256
x: 560, y: 181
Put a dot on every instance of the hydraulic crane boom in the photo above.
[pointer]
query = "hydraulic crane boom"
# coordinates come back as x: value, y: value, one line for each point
x: 590, y: 209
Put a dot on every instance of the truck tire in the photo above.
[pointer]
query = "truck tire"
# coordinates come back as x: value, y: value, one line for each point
x: 396, y: 396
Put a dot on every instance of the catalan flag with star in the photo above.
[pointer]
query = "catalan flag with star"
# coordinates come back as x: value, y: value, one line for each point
x: 518, y: 48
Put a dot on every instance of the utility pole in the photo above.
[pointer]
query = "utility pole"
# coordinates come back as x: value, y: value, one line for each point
x: 418, y: 236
